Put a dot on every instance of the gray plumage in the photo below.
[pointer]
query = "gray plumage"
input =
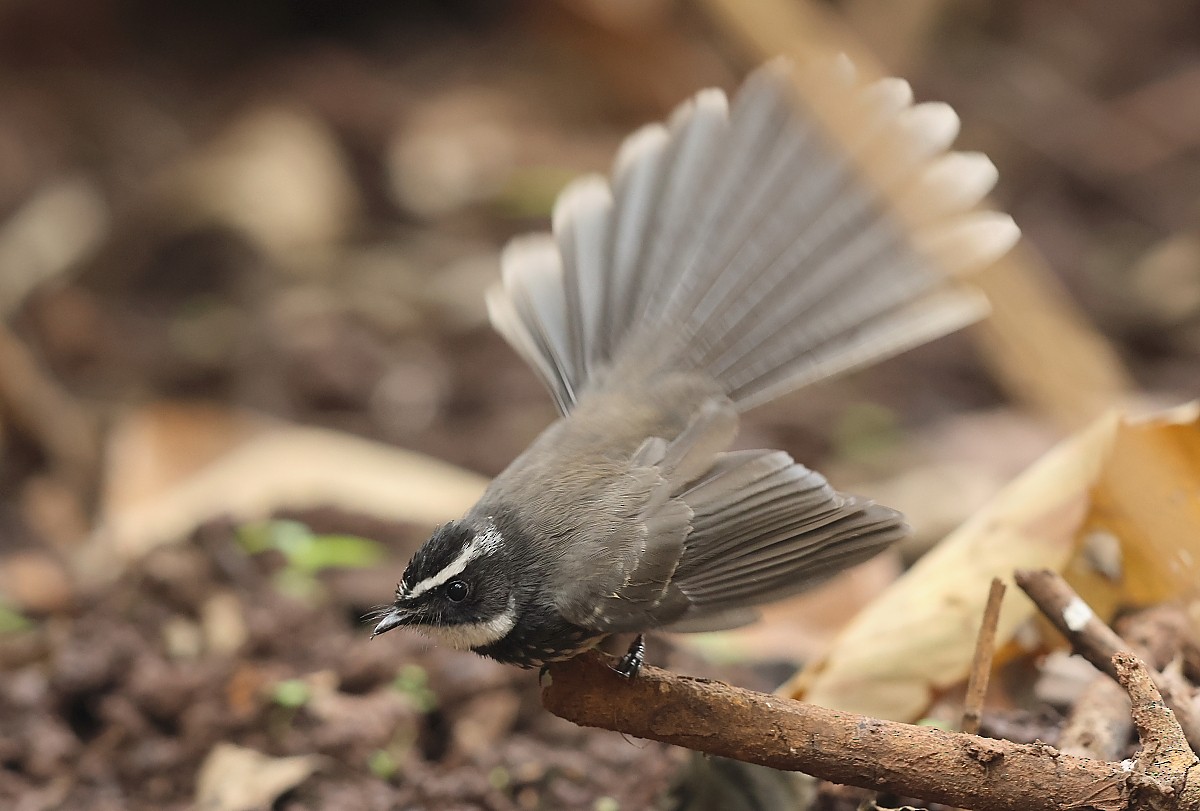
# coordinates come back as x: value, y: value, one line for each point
x: 738, y: 253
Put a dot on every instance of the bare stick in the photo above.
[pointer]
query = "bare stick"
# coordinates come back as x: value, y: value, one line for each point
x: 981, y: 664
x: 1095, y: 641
x: 1088, y: 635
x: 1099, y: 724
x: 1165, y: 760
x: 938, y: 766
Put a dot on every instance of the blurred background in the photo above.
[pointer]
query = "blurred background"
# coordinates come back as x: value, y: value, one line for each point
x: 243, y: 248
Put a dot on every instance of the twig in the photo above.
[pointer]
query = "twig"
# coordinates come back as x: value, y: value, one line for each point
x: 1099, y: 724
x: 1095, y: 641
x: 1074, y: 618
x: 981, y: 664
x: 939, y: 766
x: 1166, y: 760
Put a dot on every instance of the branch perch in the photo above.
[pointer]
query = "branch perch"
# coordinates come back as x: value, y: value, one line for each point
x: 938, y: 766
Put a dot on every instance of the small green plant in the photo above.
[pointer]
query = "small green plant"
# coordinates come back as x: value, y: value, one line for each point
x: 291, y: 693
x: 289, y: 697
x: 413, y: 681
x: 307, y: 553
x: 383, y: 764
x: 499, y: 778
x: 11, y: 620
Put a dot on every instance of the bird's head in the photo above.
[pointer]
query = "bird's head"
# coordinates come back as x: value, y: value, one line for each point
x: 454, y: 590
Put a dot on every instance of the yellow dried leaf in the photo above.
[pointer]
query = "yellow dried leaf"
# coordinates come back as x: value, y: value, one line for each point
x: 1149, y: 498
x: 1133, y: 482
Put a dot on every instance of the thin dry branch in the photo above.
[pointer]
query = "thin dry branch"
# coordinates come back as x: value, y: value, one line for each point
x: 1074, y: 618
x: 1099, y: 724
x: 1096, y: 642
x: 981, y: 664
x: 1166, y: 761
x: 938, y: 766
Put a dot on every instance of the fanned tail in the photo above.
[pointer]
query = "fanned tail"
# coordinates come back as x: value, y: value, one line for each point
x: 816, y: 225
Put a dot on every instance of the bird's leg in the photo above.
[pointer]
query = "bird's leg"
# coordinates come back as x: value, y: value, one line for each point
x: 631, y: 662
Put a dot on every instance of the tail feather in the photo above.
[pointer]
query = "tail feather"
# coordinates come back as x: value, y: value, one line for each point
x: 768, y: 244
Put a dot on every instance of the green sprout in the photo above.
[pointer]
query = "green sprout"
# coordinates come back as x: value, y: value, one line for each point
x: 413, y: 681
x: 499, y: 778
x: 12, y: 621
x: 307, y: 553
x: 291, y: 693
x: 383, y: 764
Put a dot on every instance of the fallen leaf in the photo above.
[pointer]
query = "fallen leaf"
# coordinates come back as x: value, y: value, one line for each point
x: 1137, y: 481
x: 276, y: 173
x: 171, y: 467
x: 59, y: 225
x: 236, y: 779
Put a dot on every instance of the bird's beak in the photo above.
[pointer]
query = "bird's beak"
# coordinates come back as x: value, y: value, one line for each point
x: 393, y: 619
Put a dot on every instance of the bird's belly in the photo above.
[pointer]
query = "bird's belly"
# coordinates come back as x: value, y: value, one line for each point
x: 535, y: 646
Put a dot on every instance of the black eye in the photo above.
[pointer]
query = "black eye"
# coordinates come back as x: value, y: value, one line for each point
x: 457, y: 590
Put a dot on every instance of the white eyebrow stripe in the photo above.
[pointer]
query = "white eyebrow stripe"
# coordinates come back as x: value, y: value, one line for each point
x: 485, y: 544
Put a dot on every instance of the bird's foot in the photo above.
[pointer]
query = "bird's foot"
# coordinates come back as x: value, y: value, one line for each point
x: 631, y: 662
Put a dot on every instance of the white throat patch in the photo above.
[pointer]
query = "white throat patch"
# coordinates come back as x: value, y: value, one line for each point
x: 485, y: 543
x: 474, y: 634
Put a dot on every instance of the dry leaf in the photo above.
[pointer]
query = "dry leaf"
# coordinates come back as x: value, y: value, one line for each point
x: 276, y: 173
x: 236, y: 779
x: 1135, y: 483
x: 57, y: 227
x: 171, y: 467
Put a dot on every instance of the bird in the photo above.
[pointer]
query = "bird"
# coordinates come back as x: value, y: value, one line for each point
x: 737, y: 252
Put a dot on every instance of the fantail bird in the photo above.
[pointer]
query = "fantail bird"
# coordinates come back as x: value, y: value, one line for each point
x: 738, y: 253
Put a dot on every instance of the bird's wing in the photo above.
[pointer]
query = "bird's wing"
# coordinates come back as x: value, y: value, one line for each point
x: 691, y: 539
x: 764, y: 528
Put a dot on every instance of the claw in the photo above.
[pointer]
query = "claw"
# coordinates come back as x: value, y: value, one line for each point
x: 632, y: 661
